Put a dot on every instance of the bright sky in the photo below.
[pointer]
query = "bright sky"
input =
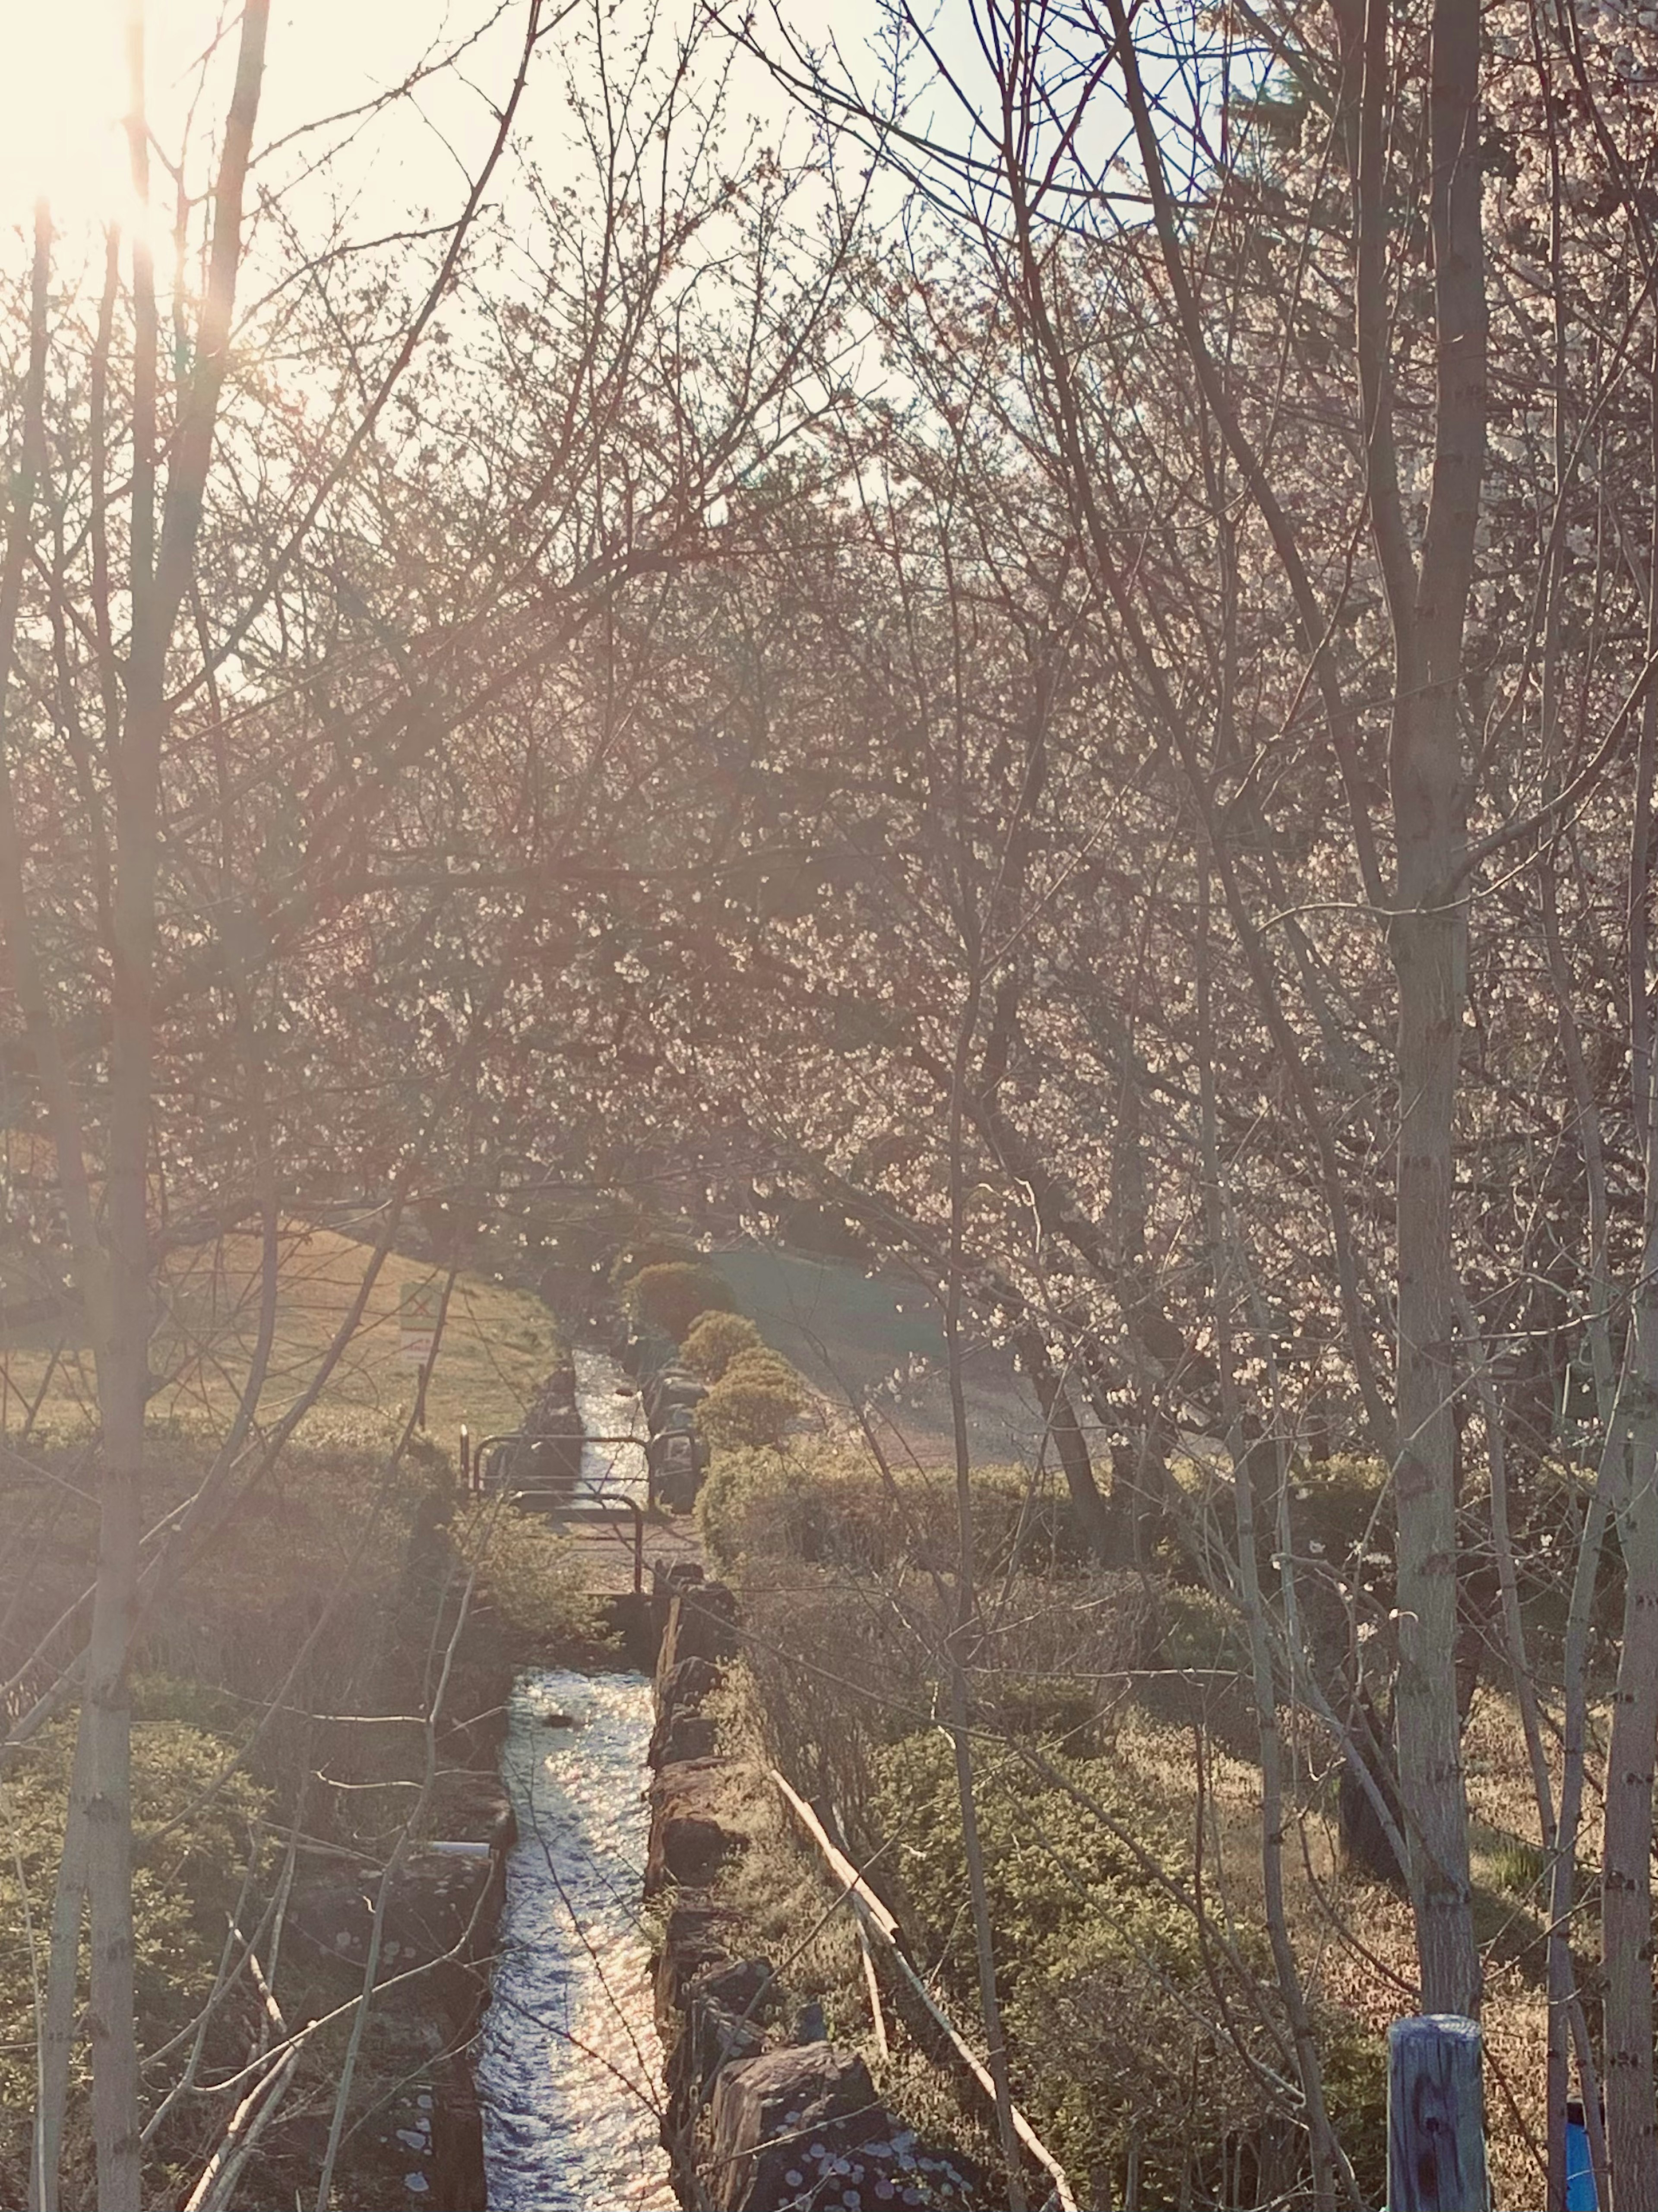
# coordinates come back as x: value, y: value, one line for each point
x: 63, y: 92
x: 63, y: 88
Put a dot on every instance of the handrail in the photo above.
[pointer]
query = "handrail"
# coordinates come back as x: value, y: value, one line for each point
x: 606, y: 1500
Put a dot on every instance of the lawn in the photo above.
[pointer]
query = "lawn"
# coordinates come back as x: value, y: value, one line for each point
x: 496, y: 1346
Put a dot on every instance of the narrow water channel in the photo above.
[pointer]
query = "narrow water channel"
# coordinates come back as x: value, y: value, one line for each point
x: 570, y: 2072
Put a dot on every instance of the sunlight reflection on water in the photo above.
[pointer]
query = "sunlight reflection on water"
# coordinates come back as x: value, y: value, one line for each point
x: 571, y: 2069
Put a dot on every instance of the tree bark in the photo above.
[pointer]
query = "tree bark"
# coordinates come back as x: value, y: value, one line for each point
x: 63, y: 1982
x: 160, y: 573
x: 1099, y: 1525
x: 1427, y: 940
x: 1627, y: 1861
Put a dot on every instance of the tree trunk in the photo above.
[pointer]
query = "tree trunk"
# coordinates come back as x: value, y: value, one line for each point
x: 1098, y: 1523
x: 1626, y: 1883
x: 1428, y: 607
x: 62, y: 1983
x: 1428, y: 954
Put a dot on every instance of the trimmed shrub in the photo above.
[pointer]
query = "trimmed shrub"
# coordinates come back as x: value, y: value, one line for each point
x: 757, y: 1402
x: 675, y: 1293
x: 714, y: 1339
x: 827, y: 1500
x: 764, y: 1365
x: 644, y: 1251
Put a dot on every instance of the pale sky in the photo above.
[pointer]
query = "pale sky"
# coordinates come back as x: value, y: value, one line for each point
x: 63, y: 88
x: 63, y: 92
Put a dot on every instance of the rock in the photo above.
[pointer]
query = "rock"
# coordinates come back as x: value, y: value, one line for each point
x: 702, y: 1623
x: 693, y: 1939
x: 456, y: 2138
x: 717, y: 2027
x: 465, y: 1803
x: 680, y: 1734
x: 670, y: 1389
x: 436, y: 1898
x: 769, y: 2110
x: 677, y: 1462
x: 682, y: 1731
x: 688, y: 1683
x: 689, y: 1839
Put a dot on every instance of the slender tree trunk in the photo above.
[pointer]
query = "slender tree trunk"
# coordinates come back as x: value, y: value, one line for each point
x: 1428, y: 608
x: 161, y: 566
x: 1095, y: 1518
x: 965, y: 1627
x: 1325, y: 2156
x: 63, y: 1986
x: 106, y: 1720
x: 1428, y: 954
x: 1631, y: 1450
x: 1627, y: 1861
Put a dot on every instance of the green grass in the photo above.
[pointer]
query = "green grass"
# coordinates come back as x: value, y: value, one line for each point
x: 497, y: 1344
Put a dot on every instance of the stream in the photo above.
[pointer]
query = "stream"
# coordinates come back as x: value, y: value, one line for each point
x: 570, y: 2071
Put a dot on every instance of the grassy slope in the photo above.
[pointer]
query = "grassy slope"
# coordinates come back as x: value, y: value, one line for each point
x: 496, y: 1348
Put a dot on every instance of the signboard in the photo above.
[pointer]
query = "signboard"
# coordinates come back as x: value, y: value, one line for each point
x: 417, y: 1322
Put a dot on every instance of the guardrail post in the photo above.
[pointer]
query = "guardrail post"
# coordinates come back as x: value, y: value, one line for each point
x: 1436, y: 2116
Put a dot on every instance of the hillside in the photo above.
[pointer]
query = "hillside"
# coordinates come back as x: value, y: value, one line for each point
x: 495, y: 1350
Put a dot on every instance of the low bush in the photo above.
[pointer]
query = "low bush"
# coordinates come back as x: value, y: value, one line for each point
x: 647, y: 1250
x: 824, y: 1500
x: 746, y: 1410
x: 527, y: 1571
x: 756, y: 1402
x: 714, y: 1339
x: 1111, y: 1995
x: 184, y: 1892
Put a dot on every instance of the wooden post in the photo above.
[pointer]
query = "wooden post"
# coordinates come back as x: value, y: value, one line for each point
x: 877, y: 2017
x: 465, y: 1458
x: 1436, y: 2116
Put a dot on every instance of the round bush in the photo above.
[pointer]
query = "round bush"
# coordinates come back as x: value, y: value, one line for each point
x: 757, y: 1402
x: 714, y: 1339
x: 762, y: 1364
x: 671, y: 1296
x: 649, y: 1251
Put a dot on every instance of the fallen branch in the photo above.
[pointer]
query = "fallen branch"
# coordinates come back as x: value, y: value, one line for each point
x: 875, y: 1916
x: 219, y: 2176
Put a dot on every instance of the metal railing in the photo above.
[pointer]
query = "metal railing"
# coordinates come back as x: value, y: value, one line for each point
x: 564, y: 1501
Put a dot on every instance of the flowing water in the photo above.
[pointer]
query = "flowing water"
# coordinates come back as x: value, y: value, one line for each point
x: 571, y: 2072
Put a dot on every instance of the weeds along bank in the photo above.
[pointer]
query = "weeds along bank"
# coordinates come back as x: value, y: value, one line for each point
x: 780, y: 2095
x: 317, y: 1708
x: 1147, y: 2044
